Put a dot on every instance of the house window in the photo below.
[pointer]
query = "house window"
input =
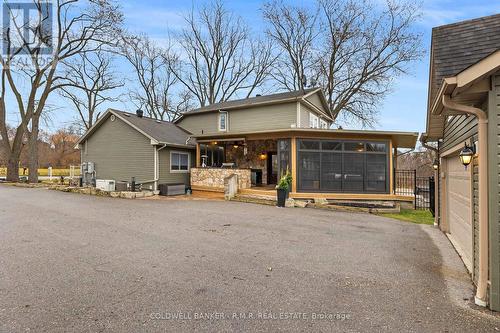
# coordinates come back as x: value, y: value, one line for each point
x: 343, y: 166
x: 223, y: 121
x: 323, y: 124
x: 313, y: 120
x: 179, y: 161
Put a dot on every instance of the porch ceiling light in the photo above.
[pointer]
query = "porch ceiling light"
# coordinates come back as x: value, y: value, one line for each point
x: 435, y: 164
x: 466, y: 155
x: 263, y: 156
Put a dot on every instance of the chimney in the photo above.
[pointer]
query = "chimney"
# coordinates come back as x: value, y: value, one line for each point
x: 139, y: 113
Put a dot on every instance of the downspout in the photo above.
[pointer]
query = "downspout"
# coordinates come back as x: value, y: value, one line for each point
x: 482, y: 285
x: 157, y: 166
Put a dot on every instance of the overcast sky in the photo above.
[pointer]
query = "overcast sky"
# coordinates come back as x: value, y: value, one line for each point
x: 404, y: 108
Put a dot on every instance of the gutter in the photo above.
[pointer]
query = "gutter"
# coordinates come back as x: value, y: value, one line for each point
x: 482, y: 285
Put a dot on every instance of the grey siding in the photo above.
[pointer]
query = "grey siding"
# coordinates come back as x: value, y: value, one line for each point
x: 304, y: 115
x: 277, y: 116
x: 315, y: 99
x: 202, y: 123
x: 120, y: 152
x: 457, y: 130
x: 494, y: 190
x: 164, y: 167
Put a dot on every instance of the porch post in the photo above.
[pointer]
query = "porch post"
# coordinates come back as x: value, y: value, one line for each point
x: 198, y: 155
x: 294, y: 164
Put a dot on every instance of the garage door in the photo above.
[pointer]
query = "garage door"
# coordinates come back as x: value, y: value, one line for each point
x: 459, y: 207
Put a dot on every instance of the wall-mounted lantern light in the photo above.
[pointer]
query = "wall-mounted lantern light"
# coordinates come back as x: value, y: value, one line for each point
x: 435, y: 164
x: 263, y: 156
x: 466, y: 155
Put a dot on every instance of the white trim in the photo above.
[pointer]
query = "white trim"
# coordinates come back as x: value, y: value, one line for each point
x: 188, y: 164
x: 226, y: 122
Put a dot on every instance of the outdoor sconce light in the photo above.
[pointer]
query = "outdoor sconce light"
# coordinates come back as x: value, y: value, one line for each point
x: 466, y: 155
x: 263, y: 156
x: 435, y: 164
x: 235, y: 146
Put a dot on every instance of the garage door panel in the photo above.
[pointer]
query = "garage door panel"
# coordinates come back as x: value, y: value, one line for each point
x: 459, y: 205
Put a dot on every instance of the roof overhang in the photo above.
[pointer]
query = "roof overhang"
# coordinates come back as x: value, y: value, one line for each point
x: 399, y: 139
x: 469, y: 87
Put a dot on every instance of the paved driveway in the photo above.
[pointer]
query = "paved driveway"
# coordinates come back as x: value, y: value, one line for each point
x: 76, y: 263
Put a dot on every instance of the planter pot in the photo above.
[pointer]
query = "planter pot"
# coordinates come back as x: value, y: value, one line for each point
x: 281, y: 197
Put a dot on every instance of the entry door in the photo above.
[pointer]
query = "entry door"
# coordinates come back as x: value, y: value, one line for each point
x: 459, y: 205
x: 272, y: 168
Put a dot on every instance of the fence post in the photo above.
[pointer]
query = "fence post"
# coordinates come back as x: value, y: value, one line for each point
x: 432, y: 198
x: 415, y: 187
x: 394, y: 181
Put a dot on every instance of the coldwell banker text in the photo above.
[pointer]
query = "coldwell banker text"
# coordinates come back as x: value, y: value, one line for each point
x: 248, y: 316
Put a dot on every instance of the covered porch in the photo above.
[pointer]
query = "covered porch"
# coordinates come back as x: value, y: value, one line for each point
x: 329, y: 164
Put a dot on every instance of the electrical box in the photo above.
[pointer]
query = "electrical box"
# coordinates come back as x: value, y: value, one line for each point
x: 105, y: 185
x: 90, y: 167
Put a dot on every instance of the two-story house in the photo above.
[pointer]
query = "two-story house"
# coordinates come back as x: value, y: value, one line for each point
x: 259, y: 139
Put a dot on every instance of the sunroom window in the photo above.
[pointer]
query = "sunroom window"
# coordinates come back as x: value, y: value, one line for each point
x: 343, y: 166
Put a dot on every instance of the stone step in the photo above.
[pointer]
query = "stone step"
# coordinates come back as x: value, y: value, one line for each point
x: 258, y: 199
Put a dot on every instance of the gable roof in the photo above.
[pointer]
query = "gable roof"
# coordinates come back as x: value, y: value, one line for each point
x: 259, y: 100
x: 158, y: 131
x: 454, y: 48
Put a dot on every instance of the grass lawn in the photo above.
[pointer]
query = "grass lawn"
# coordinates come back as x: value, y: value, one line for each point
x: 415, y: 216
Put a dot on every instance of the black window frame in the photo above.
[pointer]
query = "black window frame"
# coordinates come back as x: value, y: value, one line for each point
x: 343, y: 152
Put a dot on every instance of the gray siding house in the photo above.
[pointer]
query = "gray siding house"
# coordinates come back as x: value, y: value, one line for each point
x: 463, y: 108
x: 258, y: 138
x: 124, y: 145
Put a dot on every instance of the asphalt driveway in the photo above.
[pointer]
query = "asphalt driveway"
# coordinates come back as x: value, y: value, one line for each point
x: 76, y: 263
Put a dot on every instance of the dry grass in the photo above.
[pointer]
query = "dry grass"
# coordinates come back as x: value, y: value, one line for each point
x: 43, y: 172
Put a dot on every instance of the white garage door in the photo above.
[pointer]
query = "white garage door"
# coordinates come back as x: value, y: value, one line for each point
x: 459, y: 207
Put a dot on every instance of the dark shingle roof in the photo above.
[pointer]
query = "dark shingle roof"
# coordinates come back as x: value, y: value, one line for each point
x: 245, y: 102
x: 162, y: 131
x: 457, y: 46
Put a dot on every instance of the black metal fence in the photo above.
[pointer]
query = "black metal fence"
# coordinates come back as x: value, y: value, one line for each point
x: 406, y: 183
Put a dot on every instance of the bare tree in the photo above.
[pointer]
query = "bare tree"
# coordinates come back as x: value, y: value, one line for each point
x: 359, y: 50
x: 78, y: 26
x: 156, y: 93
x: 294, y: 29
x: 89, y: 79
x: 219, y: 58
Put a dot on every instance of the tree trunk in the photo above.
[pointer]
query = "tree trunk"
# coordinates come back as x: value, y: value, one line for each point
x: 33, y: 156
x: 13, y: 167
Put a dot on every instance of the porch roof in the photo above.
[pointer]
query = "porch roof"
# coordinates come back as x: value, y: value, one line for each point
x: 399, y: 139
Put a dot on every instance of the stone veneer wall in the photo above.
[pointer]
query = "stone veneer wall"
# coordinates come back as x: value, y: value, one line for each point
x: 252, y: 159
x: 214, y: 177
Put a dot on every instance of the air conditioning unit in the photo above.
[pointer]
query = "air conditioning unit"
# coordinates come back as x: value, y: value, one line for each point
x: 105, y: 185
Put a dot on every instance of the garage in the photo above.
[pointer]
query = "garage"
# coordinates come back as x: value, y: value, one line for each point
x: 459, y: 203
